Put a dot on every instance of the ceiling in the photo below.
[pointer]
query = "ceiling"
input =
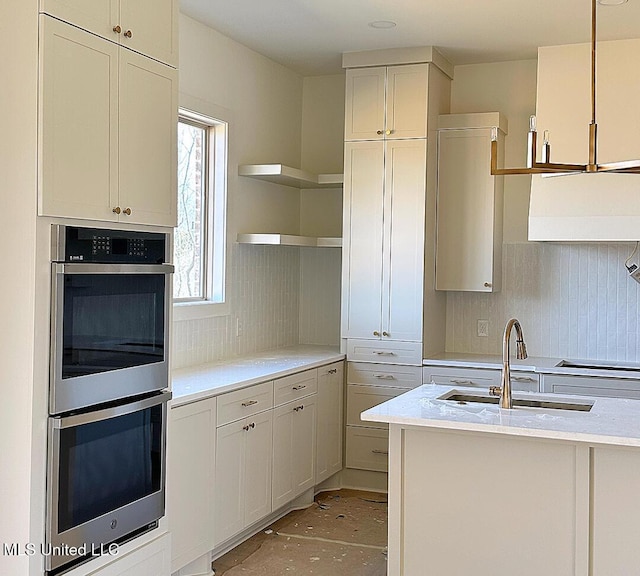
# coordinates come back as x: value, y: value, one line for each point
x: 309, y: 36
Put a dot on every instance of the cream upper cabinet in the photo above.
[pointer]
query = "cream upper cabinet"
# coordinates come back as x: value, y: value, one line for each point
x: 469, y: 204
x: 146, y: 26
x: 108, y: 121
x: 386, y: 102
x: 384, y: 207
x: 330, y: 421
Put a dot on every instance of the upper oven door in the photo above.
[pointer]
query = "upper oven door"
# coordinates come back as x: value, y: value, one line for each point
x: 109, y: 332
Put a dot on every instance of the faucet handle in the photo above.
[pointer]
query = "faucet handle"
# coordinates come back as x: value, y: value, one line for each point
x: 495, y: 390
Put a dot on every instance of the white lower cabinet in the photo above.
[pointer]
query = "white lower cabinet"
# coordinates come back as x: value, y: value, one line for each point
x: 330, y: 411
x: 521, y: 381
x: 190, y: 488
x: 242, y: 474
x: 294, y: 439
x: 152, y: 559
x: 591, y: 386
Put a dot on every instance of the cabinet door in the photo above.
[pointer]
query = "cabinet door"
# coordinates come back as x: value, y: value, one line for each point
x: 190, y: 487
x: 330, y: 411
x: 257, y: 467
x: 148, y: 140
x: 97, y: 16
x: 362, y: 249
x: 294, y: 437
x: 364, y: 106
x: 153, y: 25
x: 78, y: 139
x: 229, y: 480
x: 406, y: 107
x: 469, y: 212
x: 403, y: 264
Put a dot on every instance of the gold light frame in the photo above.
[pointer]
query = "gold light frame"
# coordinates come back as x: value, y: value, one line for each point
x: 548, y: 167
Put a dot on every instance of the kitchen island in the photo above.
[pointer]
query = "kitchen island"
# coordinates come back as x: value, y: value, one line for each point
x: 476, y: 490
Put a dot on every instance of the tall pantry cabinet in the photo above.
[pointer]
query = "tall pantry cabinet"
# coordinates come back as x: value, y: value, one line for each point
x: 391, y: 314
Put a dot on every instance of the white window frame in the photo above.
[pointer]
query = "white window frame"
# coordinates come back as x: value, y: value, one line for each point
x: 215, y: 302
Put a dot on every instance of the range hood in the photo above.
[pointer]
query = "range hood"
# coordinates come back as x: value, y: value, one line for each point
x: 588, y: 207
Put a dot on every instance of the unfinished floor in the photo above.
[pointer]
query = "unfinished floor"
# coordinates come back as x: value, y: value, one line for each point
x: 344, y: 533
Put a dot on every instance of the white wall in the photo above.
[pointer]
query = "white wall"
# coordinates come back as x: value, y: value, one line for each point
x: 18, y: 70
x: 510, y: 88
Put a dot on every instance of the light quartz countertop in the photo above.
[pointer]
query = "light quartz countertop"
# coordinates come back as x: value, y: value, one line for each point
x: 206, y: 380
x: 611, y: 421
x: 625, y: 370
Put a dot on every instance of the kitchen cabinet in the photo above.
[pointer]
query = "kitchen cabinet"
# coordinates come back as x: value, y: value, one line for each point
x: 243, y: 474
x: 591, y: 386
x: 108, y: 122
x: 330, y: 421
x: 149, y: 27
x: 190, y: 485
x: 243, y: 470
x: 368, y: 385
x: 386, y: 102
x: 294, y: 441
x: 521, y: 381
x: 469, y: 204
x: 152, y: 559
x: 383, y: 256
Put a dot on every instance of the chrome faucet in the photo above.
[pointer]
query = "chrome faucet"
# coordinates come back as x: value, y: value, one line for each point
x: 504, y: 391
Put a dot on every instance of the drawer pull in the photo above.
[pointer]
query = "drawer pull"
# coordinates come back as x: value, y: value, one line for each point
x: 249, y: 403
x: 249, y: 426
x: 523, y: 378
x: 383, y: 353
x: 301, y: 387
x: 297, y: 408
x: 460, y: 381
x: 332, y: 371
x: 384, y: 452
x: 384, y: 376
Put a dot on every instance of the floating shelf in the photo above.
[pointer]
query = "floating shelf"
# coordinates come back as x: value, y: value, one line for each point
x: 287, y: 176
x: 289, y: 240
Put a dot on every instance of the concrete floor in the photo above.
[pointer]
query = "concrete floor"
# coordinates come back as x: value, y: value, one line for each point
x: 344, y: 533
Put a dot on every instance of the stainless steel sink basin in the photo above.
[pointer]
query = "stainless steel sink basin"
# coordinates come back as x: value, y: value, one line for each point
x: 462, y: 398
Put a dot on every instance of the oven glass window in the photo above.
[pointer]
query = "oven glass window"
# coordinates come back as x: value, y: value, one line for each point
x: 108, y: 464
x: 112, y: 321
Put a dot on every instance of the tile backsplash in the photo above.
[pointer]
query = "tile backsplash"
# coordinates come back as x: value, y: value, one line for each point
x: 263, y: 289
x: 573, y: 301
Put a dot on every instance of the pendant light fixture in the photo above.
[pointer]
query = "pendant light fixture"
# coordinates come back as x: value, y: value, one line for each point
x: 548, y: 167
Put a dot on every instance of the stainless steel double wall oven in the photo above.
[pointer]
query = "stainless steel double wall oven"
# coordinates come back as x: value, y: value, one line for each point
x: 109, y: 378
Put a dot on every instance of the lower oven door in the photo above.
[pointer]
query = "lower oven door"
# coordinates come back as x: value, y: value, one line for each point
x: 106, y: 478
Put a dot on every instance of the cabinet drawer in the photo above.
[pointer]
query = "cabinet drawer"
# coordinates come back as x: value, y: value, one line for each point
x: 295, y: 386
x: 331, y: 369
x: 478, y: 378
x: 361, y: 398
x: 246, y: 402
x: 385, y: 352
x: 406, y: 377
x: 591, y: 386
x: 367, y: 448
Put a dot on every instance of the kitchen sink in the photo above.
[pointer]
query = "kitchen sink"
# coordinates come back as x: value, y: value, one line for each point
x: 462, y: 398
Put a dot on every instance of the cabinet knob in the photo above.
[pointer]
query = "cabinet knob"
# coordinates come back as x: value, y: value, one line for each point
x: 386, y: 334
x: 117, y: 29
x: 487, y: 284
x: 388, y: 132
x: 117, y: 210
x: 376, y: 333
x: 379, y: 132
x: 128, y: 34
x: 127, y: 211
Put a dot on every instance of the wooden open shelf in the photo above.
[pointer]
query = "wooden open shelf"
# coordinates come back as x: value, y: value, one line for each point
x: 287, y: 176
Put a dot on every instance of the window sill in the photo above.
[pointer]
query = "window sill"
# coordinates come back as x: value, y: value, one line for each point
x: 197, y: 310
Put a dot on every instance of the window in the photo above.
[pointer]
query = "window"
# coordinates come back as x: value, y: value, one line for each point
x: 199, y: 239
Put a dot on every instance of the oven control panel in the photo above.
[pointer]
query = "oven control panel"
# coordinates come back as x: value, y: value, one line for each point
x: 76, y: 244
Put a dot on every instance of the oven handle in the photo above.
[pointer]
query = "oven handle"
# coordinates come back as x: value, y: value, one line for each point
x: 82, y: 268
x: 61, y: 422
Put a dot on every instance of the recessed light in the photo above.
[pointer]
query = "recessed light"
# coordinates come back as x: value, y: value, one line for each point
x: 383, y: 24
x: 612, y: 2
